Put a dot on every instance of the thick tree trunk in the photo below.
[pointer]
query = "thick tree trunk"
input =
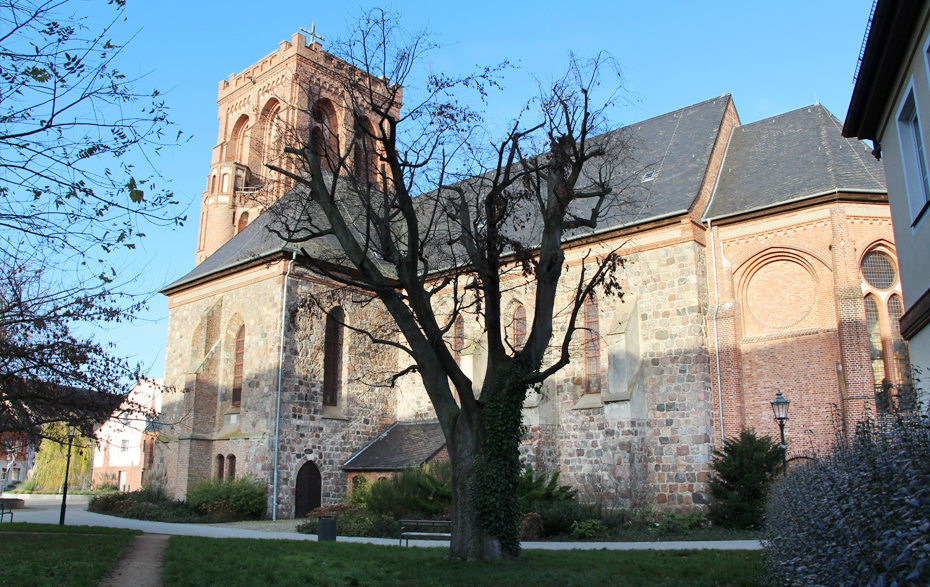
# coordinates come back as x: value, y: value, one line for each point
x: 470, y: 541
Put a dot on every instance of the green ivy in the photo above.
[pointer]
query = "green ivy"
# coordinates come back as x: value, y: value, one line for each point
x: 498, y: 469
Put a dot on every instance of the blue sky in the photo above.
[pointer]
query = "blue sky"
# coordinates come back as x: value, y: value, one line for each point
x: 772, y: 57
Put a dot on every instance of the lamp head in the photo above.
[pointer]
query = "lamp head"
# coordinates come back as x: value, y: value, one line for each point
x: 780, y: 407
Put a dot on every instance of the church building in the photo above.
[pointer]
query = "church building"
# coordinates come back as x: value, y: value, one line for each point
x: 759, y: 259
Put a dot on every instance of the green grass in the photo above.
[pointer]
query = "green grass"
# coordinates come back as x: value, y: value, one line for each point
x: 202, y: 562
x: 37, y: 555
x: 44, y: 528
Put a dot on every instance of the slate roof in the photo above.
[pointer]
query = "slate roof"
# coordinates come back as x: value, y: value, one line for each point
x: 401, y: 445
x: 677, y: 146
x: 792, y: 157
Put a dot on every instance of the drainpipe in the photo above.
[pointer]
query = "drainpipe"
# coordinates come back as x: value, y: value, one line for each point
x: 277, y: 418
x: 713, y: 255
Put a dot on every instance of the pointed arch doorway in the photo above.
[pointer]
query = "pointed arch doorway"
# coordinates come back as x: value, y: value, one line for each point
x: 309, y: 490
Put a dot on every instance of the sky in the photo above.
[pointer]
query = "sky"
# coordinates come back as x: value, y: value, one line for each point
x: 772, y: 57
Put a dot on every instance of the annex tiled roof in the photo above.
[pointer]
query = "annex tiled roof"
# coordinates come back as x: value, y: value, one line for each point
x: 792, y: 157
x: 676, y: 147
x: 402, y: 445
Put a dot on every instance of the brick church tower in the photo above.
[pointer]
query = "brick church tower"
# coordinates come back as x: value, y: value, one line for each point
x: 295, y: 91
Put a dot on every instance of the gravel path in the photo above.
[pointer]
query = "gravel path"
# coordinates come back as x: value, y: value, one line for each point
x: 142, y: 565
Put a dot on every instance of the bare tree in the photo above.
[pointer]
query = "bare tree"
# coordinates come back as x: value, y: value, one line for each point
x: 74, y: 134
x: 421, y: 207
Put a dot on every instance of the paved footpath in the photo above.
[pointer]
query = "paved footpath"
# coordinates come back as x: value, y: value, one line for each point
x: 142, y: 564
x: 45, y: 510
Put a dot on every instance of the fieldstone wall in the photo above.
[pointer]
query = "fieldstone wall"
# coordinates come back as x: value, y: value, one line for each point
x: 327, y: 436
x: 647, y: 437
x: 198, y: 420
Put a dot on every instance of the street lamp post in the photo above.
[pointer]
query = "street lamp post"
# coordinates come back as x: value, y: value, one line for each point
x: 72, y: 431
x: 780, y: 408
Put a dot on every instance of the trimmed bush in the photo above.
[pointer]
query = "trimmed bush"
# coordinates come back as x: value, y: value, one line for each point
x: 243, y: 496
x: 743, y: 473
x: 859, y: 516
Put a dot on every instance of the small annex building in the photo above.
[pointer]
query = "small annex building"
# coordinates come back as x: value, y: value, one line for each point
x: 759, y: 258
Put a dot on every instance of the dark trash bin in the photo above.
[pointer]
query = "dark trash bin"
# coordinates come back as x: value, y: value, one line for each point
x: 327, y: 529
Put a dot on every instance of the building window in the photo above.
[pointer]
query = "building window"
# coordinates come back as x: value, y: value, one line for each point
x: 458, y: 338
x: 231, y: 467
x: 220, y: 466
x: 332, y: 362
x: 592, y: 346
x: 364, y: 156
x: 324, y: 136
x: 901, y: 356
x: 124, y: 446
x: 878, y: 270
x: 874, y: 329
x: 914, y: 158
x: 237, y: 367
x: 243, y: 222
x: 519, y: 327
x: 203, y: 231
x: 888, y: 352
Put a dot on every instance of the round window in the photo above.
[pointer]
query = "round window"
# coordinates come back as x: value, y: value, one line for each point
x: 878, y: 270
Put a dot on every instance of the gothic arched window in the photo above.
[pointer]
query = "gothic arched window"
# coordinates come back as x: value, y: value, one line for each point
x: 902, y: 358
x: 592, y: 346
x: 237, y: 366
x: 332, y: 360
x: 231, y: 467
x: 220, y: 466
x: 236, y: 149
x: 874, y: 329
x: 243, y: 222
x: 458, y: 338
x: 324, y: 135
x: 519, y: 327
x: 364, y: 156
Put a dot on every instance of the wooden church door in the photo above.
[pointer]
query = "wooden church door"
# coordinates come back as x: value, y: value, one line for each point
x: 309, y: 494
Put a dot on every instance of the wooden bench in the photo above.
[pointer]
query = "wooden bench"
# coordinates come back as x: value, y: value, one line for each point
x: 5, y: 511
x: 425, y: 530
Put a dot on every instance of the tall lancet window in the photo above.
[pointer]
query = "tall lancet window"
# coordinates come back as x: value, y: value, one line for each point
x: 237, y: 366
x: 592, y: 346
x: 519, y: 327
x: 332, y: 362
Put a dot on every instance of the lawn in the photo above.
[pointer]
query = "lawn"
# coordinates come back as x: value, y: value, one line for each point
x: 36, y: 555
x: 202, y: 562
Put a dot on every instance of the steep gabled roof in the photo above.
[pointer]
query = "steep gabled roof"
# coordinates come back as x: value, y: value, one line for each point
x: 792, y: 157
x: 676, y: 147
x: 400, y: 446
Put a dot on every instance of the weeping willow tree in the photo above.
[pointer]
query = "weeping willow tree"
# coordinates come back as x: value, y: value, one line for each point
x: 49, y: 471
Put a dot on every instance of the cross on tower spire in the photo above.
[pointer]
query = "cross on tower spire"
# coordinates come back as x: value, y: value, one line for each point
x: 311, y: 34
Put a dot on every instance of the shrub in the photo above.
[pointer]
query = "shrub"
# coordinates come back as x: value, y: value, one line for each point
x: 670, y: 524
x: 417, y: 492
x: 859, y: 516
x: 743, y: 473
x: 535, y: 488
x: 108, y: 482
x: 352, y: 521
x: 531, y: 526
x: 589, y: 529
x: 243, y: 495
x: 151, y: 493
x: 558, y: 516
